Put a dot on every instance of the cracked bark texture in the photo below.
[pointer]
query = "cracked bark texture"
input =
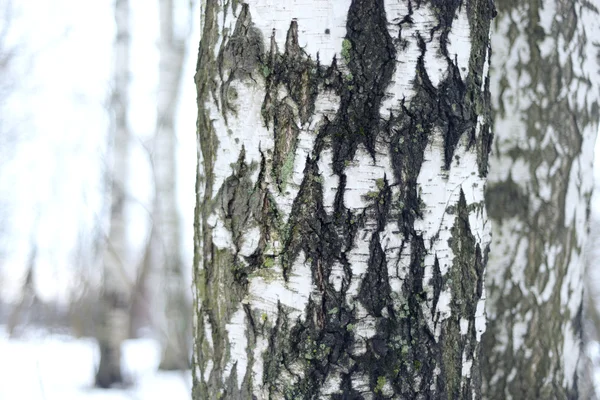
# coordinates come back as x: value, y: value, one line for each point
x: 340, y: 232
x: 544, y: 82
x: 114, y: 322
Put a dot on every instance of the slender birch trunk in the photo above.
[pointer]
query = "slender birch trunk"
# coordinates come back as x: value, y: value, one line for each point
x: 545, y: 94
x: 28, y: 294
x: 115, y: 303
x: 171, y: 315
x: 341, y: 236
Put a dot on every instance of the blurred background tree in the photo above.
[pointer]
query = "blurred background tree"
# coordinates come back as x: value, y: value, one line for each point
x: 97, y: 241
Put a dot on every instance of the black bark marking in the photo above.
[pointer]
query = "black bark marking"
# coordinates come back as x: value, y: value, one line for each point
x: 294, y: 70
x: 465, y: 279
x: 375, y: 288
x: 371, y: 68
x: 239, y: 58
x: 403, y: 347
x: 436, y: 282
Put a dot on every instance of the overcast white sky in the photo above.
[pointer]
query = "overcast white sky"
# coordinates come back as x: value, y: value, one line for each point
x: 53, y: 179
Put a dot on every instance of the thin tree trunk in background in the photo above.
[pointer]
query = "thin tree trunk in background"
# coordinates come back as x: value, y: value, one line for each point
x: 545, y: 94
x: 340, y: 233
x: 140, y: 313
x: 172, y: 301
x: 28, y: 294
x: 114, y: 322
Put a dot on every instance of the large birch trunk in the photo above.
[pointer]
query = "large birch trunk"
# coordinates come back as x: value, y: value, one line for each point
x: 172, y: 304
x: 545, y: 94
x: 340, y: 235
x: 115, y: 304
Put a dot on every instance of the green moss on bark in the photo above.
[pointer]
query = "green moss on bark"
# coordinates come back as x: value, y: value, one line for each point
x: 402, y: 357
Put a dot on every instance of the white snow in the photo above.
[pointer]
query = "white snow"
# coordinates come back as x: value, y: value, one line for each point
x: 45, y: 366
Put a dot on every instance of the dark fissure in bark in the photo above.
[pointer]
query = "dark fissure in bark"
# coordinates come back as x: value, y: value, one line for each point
x: 403, y: 347
x: 371, y: 64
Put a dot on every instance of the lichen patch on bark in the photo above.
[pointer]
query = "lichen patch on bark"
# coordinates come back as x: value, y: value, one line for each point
x: 327, y: 264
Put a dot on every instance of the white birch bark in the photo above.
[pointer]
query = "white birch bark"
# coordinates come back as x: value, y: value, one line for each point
x: 544, y: 85
x: 113, y: 327
x: 340, y: 232
x: 170, y: 301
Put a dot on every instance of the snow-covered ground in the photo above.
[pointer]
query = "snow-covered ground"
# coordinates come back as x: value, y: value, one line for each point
x: 49, y: 366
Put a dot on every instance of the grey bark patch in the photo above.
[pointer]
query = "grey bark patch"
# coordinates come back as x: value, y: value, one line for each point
x: 286, y: 135
x: 293, y: 70
x: 244, y: 49
x: 535, y: 201
x: 506, y: 200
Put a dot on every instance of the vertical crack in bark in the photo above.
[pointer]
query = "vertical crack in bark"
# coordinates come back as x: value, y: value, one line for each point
x: 344, y: 300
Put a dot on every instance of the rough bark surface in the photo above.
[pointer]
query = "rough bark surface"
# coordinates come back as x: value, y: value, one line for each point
x: 115, y: 303
x: 340, y: 231
x: 545, y: 95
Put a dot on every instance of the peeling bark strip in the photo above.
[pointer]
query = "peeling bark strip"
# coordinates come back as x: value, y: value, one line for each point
x: 545, y: 77
x: 340, y: 232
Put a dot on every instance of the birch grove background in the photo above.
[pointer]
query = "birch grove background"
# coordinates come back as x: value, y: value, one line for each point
x: 57, y: 61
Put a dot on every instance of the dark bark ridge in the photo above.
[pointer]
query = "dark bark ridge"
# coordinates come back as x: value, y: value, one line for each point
x: 403, y: 359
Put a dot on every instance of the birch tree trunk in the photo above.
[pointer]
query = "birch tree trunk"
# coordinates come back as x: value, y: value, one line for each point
x: 29, y: 296
x: 115, y: 304
x: 340, y: 234
x: 172, y: 309
x: 545, y: 94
